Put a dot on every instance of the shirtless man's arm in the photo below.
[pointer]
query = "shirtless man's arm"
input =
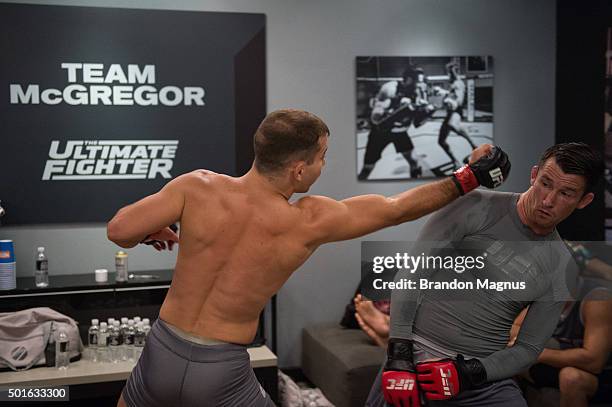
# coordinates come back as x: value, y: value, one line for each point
x: 327, y: 220
x: 150, y: 215
x: 330, y: 220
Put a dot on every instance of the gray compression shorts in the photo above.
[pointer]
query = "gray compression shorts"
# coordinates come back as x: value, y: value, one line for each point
x: 173, y: 371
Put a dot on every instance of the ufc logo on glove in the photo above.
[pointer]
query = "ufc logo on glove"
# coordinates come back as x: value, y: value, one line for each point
x: 403, y: 384
x: 496, y: 176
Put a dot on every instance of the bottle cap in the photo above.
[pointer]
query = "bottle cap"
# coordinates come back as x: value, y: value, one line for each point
x: 124, y: 320
x: 137, y: 319
x: 130, y: 322
x: 41, y: 249
x: 116, y: 323
x: 146, y: 321
x: 94, y: 321
x: 140, y: 324
x: 103, y: 325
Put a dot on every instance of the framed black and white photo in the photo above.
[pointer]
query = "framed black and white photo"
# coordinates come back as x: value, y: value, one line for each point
x: 420, y: 117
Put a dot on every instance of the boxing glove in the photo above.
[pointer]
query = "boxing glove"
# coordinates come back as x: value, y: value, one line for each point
x: 446, y: 378
x: 399, y: 384
x: 491, y: 171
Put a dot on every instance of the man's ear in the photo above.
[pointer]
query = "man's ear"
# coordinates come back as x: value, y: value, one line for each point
x: 585, y: 200
x: 534, y: 174
x: 298, y: 170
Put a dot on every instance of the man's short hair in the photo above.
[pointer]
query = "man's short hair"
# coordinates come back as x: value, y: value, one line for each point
x: 576, y: 158
x: 286, y: 135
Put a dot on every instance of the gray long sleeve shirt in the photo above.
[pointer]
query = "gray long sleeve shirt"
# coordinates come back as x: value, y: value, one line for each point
x: 479, y: 324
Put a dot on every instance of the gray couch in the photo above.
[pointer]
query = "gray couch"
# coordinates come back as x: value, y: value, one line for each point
x: 342, y: 362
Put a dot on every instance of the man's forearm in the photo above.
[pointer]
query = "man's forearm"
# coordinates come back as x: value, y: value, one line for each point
x: 116, y: 232
x: 424, y: 199
x: 575, y: 357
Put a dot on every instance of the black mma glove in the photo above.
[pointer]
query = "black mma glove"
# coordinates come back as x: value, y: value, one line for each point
x: 491, y: 171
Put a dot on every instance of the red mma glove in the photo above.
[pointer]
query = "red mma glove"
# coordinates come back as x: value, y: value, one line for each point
x: 399, y: 384
x: 446, y: 378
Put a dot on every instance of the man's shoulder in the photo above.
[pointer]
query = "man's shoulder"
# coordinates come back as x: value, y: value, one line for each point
x: 388, y: 89
x: 201, y: 180
x: 484, y: 198
x: 202, y: 176
x: 313, y: 203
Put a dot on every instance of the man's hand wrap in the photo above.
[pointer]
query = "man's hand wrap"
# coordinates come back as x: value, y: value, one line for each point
x: 446, y: 378
x: 491, y: 171
x: 399, y: 382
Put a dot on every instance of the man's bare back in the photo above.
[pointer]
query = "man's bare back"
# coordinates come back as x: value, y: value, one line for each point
x: 239, y: 243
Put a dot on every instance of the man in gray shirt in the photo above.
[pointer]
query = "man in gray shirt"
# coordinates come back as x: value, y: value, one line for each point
x: 454, y: 352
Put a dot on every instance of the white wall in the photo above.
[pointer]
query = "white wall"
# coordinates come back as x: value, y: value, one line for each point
x: 311, y: 47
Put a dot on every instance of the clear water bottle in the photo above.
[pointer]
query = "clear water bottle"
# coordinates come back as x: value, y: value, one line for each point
x: 122, y: 331
x: 41, y: 274
x: 93, y: 336
x: 128, y: 340
x: 62, y: 357
x: 115, y: 342
x: 146, y: 326
x: 139, y: 340
x: 103, y: 355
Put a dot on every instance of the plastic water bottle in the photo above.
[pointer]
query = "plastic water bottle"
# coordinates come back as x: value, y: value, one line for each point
x: 137, y: 319
x: 41, y: 274
x: 139, y: 340
x: 103, y: 355
x: 122, y: 331
x: 93, y: 339
x: 115, y: 342
x: 146, y: 326
x: 62, y: 357
x: 128, y: 340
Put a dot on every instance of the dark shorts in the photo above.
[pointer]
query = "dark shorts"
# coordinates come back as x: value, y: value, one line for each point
x: 503, y: 393
x: 173, y: 371
x: 379, y: 139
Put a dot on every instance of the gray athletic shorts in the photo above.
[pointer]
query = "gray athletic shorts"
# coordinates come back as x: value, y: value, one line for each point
x: 500, y: 393
x: 173, y: 371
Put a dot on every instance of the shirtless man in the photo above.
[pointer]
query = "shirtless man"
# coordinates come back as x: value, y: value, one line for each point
x: 393, y: 111
x: 240, y: 241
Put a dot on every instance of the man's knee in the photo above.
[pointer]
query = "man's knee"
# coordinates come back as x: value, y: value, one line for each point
x: 572, y: 379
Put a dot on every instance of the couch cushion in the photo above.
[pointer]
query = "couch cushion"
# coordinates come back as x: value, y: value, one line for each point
x: 342, y: 362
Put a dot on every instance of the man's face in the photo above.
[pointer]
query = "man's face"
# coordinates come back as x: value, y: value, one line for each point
x: 554, y: 195
x: 311, y: 172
